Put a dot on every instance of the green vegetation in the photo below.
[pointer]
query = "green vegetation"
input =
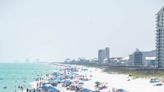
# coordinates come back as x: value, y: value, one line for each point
x: 136, y: 73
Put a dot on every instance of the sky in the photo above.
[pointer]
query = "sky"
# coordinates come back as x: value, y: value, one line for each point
x: 60, y: 29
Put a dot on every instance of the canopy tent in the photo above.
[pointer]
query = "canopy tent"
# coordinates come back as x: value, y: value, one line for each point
x: 49, y: 88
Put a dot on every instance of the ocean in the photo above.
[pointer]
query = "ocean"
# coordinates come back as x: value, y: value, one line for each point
x: 14, y: 74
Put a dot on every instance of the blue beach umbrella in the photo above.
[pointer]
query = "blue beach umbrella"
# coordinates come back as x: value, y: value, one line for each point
x: 121, y: 90
x: 52, y: 89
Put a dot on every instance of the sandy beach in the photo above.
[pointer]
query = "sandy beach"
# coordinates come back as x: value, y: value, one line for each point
x: 113, y: 80
x: 120, y: 81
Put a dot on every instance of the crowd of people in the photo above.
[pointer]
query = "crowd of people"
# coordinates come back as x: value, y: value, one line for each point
x: 69, y: 78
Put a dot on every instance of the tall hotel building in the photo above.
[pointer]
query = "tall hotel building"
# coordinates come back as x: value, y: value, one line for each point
x: 103, y: 54
x: 160, y: 38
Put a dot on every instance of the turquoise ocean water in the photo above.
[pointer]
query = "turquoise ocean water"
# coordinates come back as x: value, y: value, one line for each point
x: 14, y: 74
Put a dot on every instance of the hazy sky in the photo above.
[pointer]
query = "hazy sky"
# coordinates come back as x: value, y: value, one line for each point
x: 57, y: 29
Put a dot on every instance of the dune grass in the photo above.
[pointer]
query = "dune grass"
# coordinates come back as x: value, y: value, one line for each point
x: 136, y: 73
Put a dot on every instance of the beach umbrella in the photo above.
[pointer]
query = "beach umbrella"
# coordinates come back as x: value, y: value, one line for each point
x: 121, y: 90
x: 48, y: 85
x: 86, y: 90
x: 45, y: 86
x: 52, y: 89
x: 81, y: 82
x: 67, y: 82
x: 97, y: 83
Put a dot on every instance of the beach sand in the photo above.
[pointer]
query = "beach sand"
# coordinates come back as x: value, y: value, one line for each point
x: 120, y: 81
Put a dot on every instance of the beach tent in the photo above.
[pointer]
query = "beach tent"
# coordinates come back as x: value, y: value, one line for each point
x: 81, y: 82
x: 86, y: 90
x: 45, y: 85
x: 56, y: 73
x: 52, y: 89
x: 54, y: 82
x: 57, y: 79
x: 49, y: 88
x: 67, y: 83
x: 121, y: 90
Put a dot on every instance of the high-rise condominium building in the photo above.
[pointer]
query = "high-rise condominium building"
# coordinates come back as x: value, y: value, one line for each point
x: 107, y: 52
x: 160, y: 38
x: 103, y: 55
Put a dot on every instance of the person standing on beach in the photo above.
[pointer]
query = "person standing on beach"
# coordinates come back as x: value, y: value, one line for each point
x: 21, y: 88
x: 27, y: 90
x: 113, y: 89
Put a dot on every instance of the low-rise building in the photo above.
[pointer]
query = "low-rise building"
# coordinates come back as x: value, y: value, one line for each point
x: 142, y: 58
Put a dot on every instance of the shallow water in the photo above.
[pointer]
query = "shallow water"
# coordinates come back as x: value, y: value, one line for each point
x: 14, y: 74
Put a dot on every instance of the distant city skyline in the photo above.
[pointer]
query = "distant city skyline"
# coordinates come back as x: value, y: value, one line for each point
x: 60, y: 29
